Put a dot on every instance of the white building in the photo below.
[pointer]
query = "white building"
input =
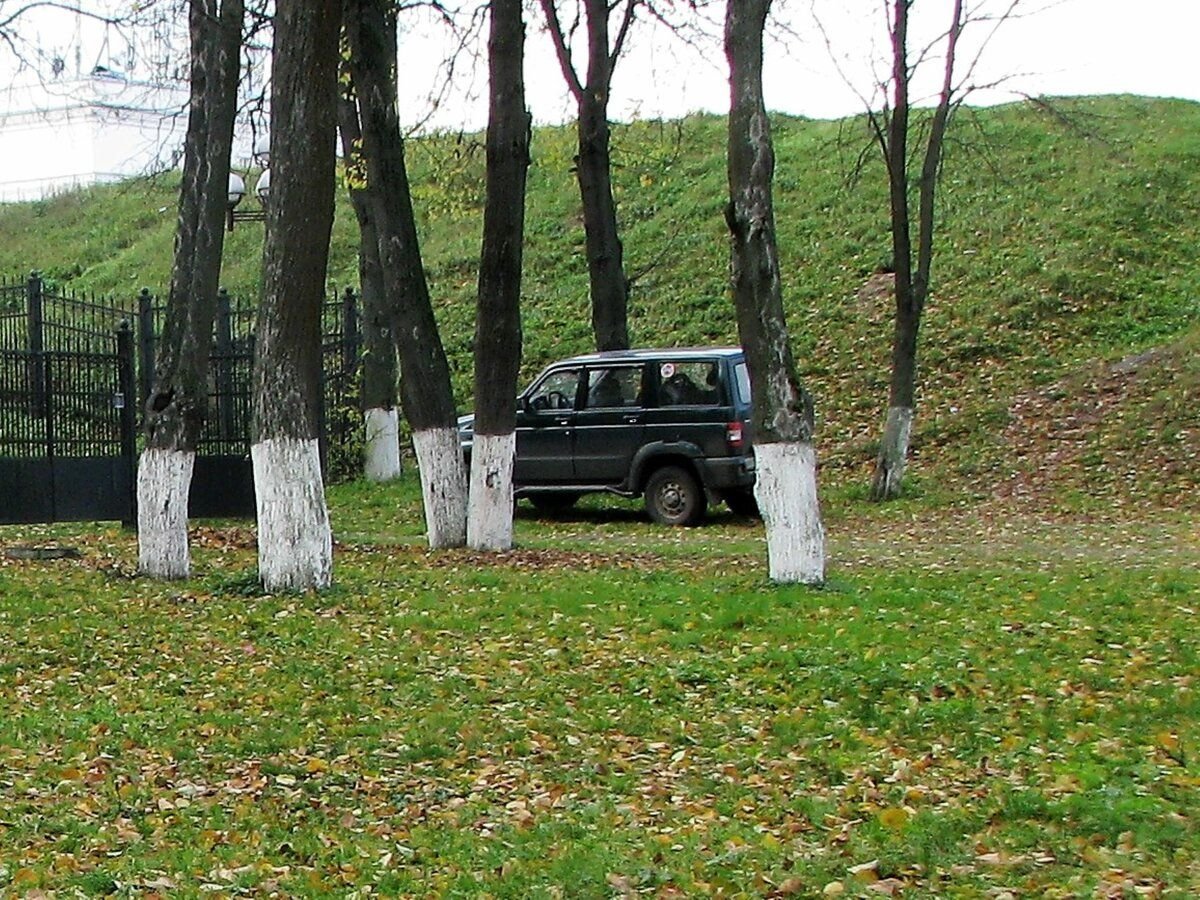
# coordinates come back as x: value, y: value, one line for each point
x: 62, y: 134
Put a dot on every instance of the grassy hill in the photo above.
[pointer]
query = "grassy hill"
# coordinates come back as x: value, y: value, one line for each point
x: 1058, y: 357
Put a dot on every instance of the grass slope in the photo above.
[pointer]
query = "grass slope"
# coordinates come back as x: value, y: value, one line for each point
x: 1066, y: 243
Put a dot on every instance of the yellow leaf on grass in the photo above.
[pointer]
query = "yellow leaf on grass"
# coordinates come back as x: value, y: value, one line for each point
x: 25, y: 876
x: 791, y: 888
x: 894, y: 818
x: 865, y: 871
x: 1168, y: 740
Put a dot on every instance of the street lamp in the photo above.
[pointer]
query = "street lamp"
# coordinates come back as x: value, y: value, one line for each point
x: 237, y: 190
x: 263, y: 188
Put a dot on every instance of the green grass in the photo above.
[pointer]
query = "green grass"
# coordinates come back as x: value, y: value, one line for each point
x: 1062, y: 249
x: 995, y: 693
x: 977, y: 705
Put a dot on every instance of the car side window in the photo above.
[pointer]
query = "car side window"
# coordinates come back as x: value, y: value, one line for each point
x: 614, y: 387
x: 556, y: 391
x: 688, y: 383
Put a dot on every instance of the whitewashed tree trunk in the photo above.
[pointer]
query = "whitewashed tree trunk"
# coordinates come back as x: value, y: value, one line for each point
x: 382, y: 462
x: 786, y: 491
x: 443, y: 486
x: 490, y: 508
x: 295, y: 545
x: 893, y: 454
x: 164, y: 478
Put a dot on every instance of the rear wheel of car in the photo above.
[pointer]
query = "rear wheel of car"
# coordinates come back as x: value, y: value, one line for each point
x: 675, y: 497
x: 550, y: 503
x: 741, y: 503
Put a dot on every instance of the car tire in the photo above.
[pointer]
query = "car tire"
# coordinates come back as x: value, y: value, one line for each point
x: 557, y: 502
x: 675, y: 497
x: 741, y: 503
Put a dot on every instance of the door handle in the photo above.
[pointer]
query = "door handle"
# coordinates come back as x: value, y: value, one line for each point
x: 631, y: 420
x: 562, y: 421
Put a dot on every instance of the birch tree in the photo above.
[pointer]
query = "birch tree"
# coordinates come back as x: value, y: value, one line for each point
x: 498, y: 315
x: 786, y: 462
x: 175, y: 410
x: 295, y: 549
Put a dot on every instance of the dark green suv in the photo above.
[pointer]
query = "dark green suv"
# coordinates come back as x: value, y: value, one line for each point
x: 672, y: 426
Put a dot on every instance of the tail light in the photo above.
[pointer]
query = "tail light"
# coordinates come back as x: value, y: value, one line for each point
x: 733, y: 436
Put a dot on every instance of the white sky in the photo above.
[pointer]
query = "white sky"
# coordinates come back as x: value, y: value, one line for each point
x: 1057, y: 47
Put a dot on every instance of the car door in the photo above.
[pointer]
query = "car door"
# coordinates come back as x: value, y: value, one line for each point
x: 546, y: 429
x: 610, y: 423
x: 690, y: 405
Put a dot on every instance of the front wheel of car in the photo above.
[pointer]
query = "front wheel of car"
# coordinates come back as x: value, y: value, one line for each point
x: 675, y: 497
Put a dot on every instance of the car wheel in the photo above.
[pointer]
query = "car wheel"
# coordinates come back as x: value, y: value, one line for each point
x: 557, y: 502
x: 741, y: 503
x: 674, y: 497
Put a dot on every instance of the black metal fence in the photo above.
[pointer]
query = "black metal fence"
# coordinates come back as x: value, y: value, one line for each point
x: 67, y: 407
x: 231, y: 364
x: 75, y: 371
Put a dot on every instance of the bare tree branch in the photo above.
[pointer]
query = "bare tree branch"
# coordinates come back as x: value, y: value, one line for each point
x: 561, y: 48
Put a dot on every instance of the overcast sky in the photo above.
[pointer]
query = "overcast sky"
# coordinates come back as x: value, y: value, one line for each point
x: 1057, y: 47
x: 823, y: 71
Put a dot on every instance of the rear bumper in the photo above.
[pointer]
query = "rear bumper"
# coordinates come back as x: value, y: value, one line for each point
x: 732, y: 472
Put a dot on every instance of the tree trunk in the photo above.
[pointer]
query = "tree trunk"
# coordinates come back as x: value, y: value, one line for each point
x: 294, y: 541
x: 175, y: 410
x: 593, y: 164
x: 606, y: 267
x: 382, y: 426
x: 786, y: 486
x: 425, y: 373
x: 498, y: 314
x: 893, y: 448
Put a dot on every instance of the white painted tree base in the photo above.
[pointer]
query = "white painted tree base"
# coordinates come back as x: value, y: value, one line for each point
x: 893, y: 454
x: 490, y: 506
x: 786, y: 491
x: 164, y: 478
x: 295, y: 546
x: 382, y: 457
x: 443, y: 486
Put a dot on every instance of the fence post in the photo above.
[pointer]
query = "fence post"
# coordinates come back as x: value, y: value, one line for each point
x: 126, y: 398
x: 35, y: 344
x: 350, y: 336
x: 146, y: 341
x: 224, y: 366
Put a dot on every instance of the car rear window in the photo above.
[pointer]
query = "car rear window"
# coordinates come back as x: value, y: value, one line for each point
x: 741, y: 382
x: 688, y: 383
